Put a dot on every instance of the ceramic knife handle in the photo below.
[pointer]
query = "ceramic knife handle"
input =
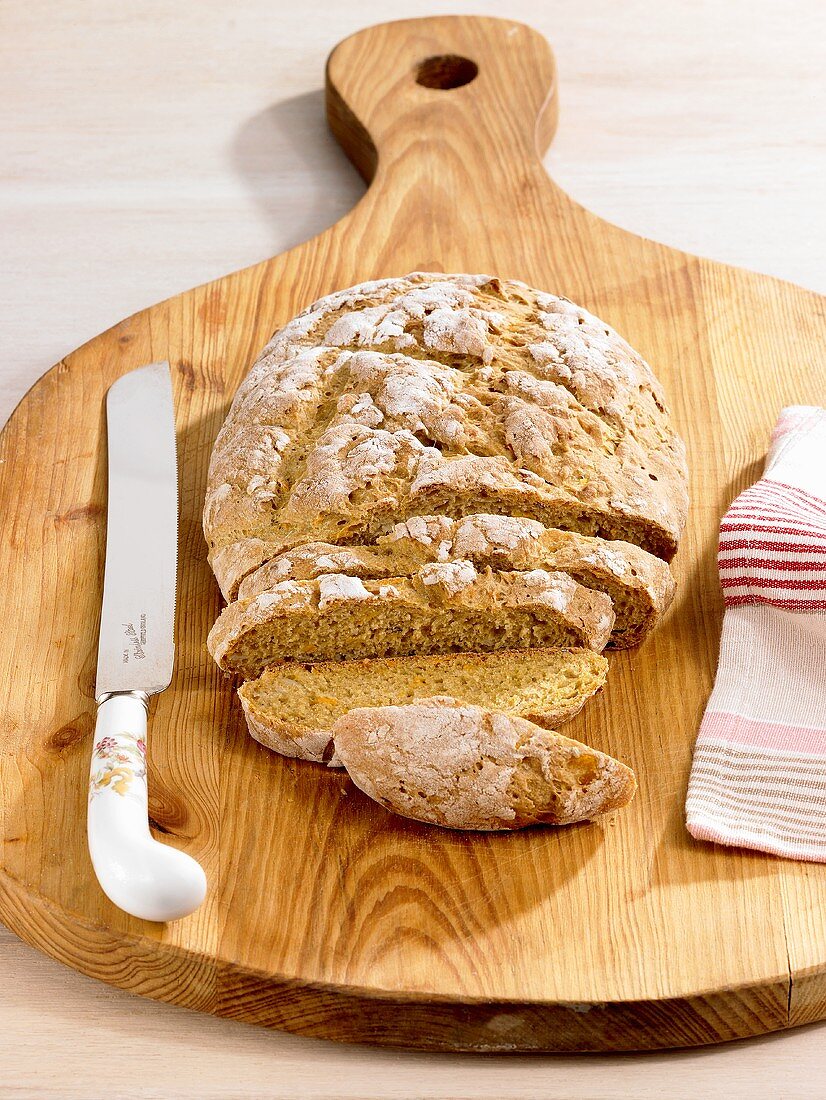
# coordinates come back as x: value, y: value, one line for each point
x: 141, y: 876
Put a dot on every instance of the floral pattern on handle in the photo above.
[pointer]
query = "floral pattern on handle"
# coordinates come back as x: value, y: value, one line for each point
x: 117, y: 761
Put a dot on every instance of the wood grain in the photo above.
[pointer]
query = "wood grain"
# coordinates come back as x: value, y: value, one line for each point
x: 325, y: 915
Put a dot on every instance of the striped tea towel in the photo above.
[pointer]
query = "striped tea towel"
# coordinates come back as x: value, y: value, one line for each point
x: 759, y: 773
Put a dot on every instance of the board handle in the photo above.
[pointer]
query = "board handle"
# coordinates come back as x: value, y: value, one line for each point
x: 477, y: 88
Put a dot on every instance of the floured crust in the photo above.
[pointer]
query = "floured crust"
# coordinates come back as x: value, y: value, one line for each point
x: 445, y: 394
x: 463, y: 767
x: 640, y: 584
x: 447, y: 605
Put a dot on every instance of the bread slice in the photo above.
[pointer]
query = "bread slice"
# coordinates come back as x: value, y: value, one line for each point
x: 467, y: 767
x: 447, y: 607
x: 449, y: 394
x: 640, y: 585
x: 291, y: 707
x: 467, y: 486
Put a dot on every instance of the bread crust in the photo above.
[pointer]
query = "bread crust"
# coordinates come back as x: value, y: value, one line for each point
x: 289, y: 739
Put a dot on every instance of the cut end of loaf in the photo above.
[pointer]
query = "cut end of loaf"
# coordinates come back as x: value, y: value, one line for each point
x: 464, y: 767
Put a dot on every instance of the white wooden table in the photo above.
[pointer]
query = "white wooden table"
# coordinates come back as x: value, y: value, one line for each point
x: 149, y: 147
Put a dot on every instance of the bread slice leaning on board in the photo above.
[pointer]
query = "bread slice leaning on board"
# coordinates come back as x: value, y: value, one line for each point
x: 640, y: 585
x: 438, y: 468
x: 292, y: 707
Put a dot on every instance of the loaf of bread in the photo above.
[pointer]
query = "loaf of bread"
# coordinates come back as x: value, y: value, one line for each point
x: 445, y: 607
x: 640, y: 585
x: 424, y: 485
x: 441, y: 395
x: 465, y: 767
x: 292, y: 707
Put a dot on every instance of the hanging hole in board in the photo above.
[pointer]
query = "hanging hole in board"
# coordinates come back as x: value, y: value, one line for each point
x: 446, y: 71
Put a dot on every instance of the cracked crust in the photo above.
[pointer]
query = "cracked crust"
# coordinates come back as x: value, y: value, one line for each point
x: 449, y: 394
x: 464, y: 767
x: 640, y: 585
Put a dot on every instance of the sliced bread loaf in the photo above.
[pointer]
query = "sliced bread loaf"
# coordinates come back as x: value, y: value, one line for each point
x: 446, y: 607
x: 466, y: 767
x: 640, y: 585
x: 448, y: 394
x: 292, y: 707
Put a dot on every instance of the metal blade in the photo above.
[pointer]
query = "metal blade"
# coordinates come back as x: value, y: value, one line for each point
x: 136, y: 650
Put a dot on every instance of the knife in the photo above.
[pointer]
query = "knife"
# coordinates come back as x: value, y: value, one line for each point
x: 136, y: 651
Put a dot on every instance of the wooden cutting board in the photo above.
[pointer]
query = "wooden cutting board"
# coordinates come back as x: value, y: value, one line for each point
x: 325, y: 914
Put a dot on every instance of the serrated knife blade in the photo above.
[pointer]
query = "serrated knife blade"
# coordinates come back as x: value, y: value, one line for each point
x: 136, y: 648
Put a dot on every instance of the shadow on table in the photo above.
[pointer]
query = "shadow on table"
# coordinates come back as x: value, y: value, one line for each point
x: 290, y: 140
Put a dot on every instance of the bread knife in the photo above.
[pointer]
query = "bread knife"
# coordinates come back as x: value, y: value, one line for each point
x: 136, y: 651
